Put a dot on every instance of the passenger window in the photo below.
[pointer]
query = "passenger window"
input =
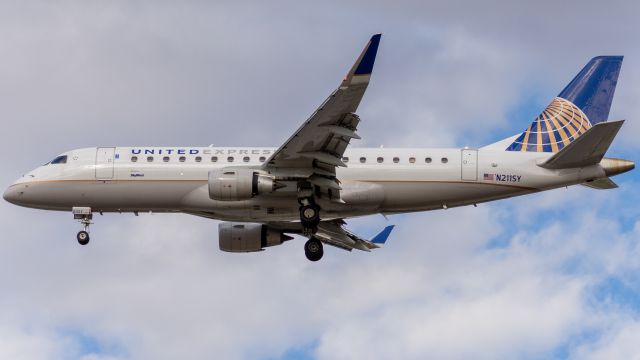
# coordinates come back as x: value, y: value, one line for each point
x: 363, y: 159
x: 380, y: 160
x: 165, y: 159
x: 345, y: 159
x: 182, y: 159
x: 262, y: 159
x: 60, y: 160
x: 396, y: 160
x: 214, y: 159
x: 427, y: 160
x: 230, y: 159
x: 198, y: 158
x: 444, y: 160
x: 134, y: 159
x: 149, y: 158
x: 246, y: 159
x: 412, y: 160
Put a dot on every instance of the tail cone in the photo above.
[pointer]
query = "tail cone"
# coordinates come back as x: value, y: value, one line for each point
x: 613, y: 166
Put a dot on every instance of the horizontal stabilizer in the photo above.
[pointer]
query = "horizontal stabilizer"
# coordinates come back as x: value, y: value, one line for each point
x: 588, y: 149
x: 601, y: 184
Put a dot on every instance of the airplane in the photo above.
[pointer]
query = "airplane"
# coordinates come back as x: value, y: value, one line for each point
x: 313, y: 182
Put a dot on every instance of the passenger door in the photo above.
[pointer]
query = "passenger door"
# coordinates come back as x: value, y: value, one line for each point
x: 104, y: 163
x: 469, y: 165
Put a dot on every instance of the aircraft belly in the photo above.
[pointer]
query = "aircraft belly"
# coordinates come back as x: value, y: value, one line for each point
x: 110, y: 195
x: 260, y: 208
x: 429, y: 195
x: 359, y: 199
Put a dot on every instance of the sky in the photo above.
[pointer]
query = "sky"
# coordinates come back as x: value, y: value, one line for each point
x: 549, y: 275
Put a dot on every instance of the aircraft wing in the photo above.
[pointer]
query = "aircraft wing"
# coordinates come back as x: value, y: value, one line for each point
x: 334, y: 233
x: 316, y: 148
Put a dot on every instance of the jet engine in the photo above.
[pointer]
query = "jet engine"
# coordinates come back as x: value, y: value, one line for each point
x: 245, y: 237
x: 232, y: 184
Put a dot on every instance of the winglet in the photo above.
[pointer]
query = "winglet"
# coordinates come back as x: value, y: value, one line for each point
x: 363, y: 67
x: 381, y: 238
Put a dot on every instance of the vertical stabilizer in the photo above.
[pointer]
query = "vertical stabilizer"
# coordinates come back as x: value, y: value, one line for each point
x: 592, y: 89
x: 586, y: 101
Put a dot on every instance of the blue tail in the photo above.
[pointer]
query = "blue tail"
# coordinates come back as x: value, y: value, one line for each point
x: 583, y: 103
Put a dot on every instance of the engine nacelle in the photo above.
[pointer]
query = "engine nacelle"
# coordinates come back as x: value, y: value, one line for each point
x: 245, y: 237
x: 232, y: 184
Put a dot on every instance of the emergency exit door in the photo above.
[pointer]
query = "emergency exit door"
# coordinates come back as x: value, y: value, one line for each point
x: 469, y: 165
x: 104, y: 163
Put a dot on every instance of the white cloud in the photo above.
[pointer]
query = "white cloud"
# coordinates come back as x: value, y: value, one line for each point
x: 621, y: 342
x: 142, y: 282
x: 29, y: 344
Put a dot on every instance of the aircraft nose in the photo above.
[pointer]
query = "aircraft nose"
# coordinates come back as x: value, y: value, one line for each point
x: 11, y: 195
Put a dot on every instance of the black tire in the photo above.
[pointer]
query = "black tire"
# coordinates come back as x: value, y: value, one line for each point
x: 313, y: 250
x: 310, y: 216
x: 83, y: 237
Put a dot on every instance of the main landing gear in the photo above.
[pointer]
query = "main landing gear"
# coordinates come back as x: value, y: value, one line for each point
x: 313, y: 249
x: 309, y: 218
x: 84, y: 216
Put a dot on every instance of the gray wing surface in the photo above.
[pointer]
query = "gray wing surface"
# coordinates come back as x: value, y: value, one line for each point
x: 335, y: 233
x: 316, y: 148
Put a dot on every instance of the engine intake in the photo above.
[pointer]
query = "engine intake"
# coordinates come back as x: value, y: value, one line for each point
x: 232, y: 184
x: 245, y: 237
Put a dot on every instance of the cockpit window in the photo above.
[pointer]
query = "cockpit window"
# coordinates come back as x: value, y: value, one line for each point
x: 60, y: 160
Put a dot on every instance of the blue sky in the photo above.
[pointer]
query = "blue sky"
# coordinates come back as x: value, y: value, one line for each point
x: 550, y: 275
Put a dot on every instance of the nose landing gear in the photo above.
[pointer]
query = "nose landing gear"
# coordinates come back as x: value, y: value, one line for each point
x: 83, y: 237
x: 84, y: 216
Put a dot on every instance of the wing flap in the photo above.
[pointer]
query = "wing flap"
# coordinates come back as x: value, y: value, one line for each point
x: 325, y: 182
x: 323, y: 156
x: 343, y: 131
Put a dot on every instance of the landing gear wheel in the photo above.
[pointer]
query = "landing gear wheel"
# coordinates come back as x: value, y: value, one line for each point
x: 310, y: 218
x: 313, y: 249
x: 83, y: 237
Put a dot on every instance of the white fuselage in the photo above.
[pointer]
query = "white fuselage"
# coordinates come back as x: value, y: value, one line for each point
x: 376, y: 180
